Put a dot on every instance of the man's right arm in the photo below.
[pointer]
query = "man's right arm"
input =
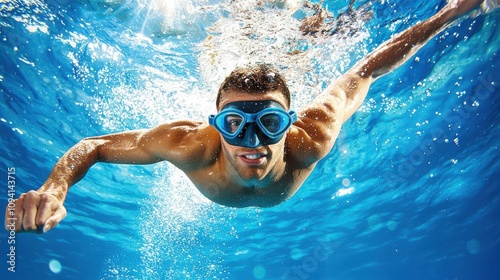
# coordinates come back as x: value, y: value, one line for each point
x: 175, y: 142
x: 44, y: 207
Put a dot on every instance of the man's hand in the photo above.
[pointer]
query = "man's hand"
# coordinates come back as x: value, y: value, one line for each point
x: 35, y: 211
x: 461, y: 7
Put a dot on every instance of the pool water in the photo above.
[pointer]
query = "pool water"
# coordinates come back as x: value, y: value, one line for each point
x: 410, y: 190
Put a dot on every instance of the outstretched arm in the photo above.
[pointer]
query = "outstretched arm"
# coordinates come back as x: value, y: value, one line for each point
x: 394, y: 52
x: 175, y: 142
x: 320, y: 122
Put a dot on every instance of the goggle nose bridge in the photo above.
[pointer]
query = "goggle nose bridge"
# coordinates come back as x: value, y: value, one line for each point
x: 250, y: 135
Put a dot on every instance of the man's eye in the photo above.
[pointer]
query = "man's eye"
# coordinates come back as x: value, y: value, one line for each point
x: 235, y: 122
x: 271, y: 123
x: 232, y: 123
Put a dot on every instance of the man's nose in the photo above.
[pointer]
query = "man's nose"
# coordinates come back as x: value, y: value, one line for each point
x: 251, y: 136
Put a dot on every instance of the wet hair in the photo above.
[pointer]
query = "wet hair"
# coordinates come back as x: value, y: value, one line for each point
x: 255, y: 79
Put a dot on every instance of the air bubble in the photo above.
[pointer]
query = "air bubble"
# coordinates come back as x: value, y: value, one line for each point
x: 473, y: 246
x: 55, y: 266
x: 259, y: 272
x: 346, y: 182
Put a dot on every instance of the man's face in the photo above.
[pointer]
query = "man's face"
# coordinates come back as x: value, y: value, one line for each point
x: 253, y: 164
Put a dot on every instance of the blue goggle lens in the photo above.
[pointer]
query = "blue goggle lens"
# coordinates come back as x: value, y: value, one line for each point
x: 232, y: 123
x: 272, y: 121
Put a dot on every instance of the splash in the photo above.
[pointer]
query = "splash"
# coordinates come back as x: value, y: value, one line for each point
x: 178, y: 227
x: 264, y: 32
x: 162, y: 17
x: 169, y: 225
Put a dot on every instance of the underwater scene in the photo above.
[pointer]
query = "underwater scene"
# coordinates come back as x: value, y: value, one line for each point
x: 410, y: 189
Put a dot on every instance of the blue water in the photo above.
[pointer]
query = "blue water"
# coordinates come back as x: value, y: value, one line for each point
x: 410, y: 190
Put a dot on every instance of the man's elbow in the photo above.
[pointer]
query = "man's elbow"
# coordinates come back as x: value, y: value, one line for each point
x: 90, y: 147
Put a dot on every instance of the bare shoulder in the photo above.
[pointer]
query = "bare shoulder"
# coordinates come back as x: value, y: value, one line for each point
x: 313, y: 135
x: 187, y: 144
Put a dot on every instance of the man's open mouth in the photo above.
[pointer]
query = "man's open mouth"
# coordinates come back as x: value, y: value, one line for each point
x: 253, y: 156
x: 253, y: 159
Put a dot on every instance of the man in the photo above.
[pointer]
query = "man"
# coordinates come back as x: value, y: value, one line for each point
x: 254, y: 152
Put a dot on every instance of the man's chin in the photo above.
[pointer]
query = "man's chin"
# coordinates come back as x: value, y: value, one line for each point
x: 253, y: 176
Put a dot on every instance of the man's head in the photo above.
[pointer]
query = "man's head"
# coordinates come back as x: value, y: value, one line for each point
x: 253, y: 119
x: 257, y: 79
x: 252, y: 104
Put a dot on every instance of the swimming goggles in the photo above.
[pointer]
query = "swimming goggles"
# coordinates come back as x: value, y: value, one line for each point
x: 252, y: 123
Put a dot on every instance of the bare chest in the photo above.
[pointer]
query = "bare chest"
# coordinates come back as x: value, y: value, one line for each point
x: 220, y: 188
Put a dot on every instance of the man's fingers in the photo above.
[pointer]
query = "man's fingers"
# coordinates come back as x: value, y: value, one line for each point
x: 45, y: 209
x: 51, y: 222
x: 30, y: 206
x: 33, y: 211
x: 18, y: 216
x: 51, y: 208
x: 10, y: 215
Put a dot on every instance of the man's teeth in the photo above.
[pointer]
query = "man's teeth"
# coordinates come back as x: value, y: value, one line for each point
x: 252, y: 156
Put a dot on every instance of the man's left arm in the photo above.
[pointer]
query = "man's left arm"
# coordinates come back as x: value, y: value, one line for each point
x: 315, y: 132
x: 393, y: 53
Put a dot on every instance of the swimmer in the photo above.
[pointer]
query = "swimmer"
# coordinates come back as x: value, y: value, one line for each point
x: 254, y: 151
